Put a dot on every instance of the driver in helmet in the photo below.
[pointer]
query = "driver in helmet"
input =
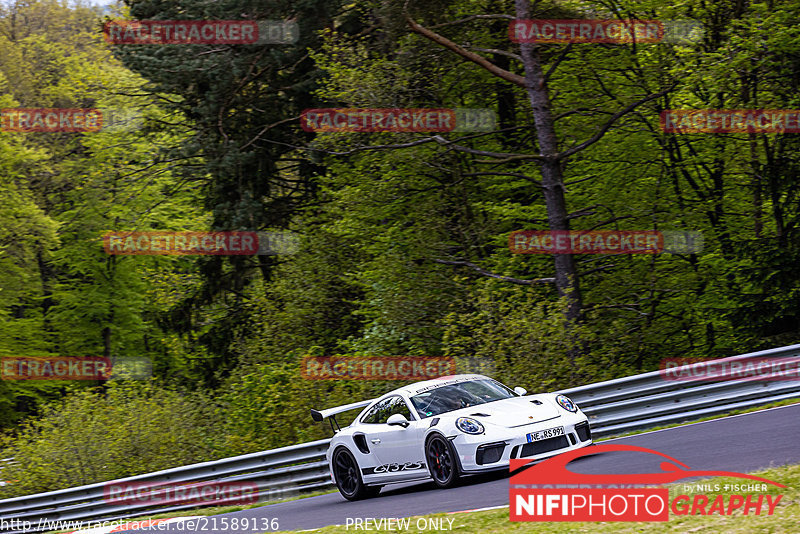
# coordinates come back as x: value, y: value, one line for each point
x: 453, y: 400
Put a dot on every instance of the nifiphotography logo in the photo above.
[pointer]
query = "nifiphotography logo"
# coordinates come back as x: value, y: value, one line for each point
x: 548, y: 491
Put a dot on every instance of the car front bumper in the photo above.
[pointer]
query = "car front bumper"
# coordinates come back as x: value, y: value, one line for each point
x: 493, y: 450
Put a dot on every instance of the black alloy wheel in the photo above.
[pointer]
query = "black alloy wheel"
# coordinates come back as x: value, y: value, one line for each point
x: 348, y: 477
x: 441, y: 462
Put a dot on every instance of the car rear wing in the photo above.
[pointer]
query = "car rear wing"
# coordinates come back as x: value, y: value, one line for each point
x: 331, y: 412
x: 324, y: 414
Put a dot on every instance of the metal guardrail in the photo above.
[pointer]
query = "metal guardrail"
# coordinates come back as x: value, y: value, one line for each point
x: 649, y: 400
x: 278, y: 473
x: 613, y: 407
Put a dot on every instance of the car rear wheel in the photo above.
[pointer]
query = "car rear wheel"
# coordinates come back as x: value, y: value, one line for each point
x: 442, y: 461
x: 348, y: 477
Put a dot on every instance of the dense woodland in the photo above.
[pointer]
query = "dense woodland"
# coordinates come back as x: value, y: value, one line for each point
x: 403, y: 236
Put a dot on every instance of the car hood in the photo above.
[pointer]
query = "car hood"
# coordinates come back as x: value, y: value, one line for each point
x: 509, y: 413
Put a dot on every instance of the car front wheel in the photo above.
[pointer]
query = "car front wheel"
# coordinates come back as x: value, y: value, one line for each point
x: 348, y: 477
x: 441, y: 461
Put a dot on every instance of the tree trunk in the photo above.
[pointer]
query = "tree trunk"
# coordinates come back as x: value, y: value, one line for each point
x: 567, y: 280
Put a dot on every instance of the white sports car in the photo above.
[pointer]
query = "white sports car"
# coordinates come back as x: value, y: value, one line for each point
x: 442, y: 428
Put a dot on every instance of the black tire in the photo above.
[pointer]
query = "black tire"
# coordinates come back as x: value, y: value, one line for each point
x: 442, y: 461
x: 348, y: 477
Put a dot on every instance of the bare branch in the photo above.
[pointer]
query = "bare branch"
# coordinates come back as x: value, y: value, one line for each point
x: 598, y: 269
x: 582, y: 213
x: 493, y: 132
x: 353, y: 151
x: 596, y: 137
x: 571, y: 182
x: 628, y: 307
x: 579, y: 111
x: 557, y: 62
x: 509, y: 157
x: 471, y: 18
x: 437, y: 138
x: 609, y: 221
x: 461, y: 51
x: 515, y: 174
x: 264, y: 130
x: 512, y: 55
x: 484, y: 272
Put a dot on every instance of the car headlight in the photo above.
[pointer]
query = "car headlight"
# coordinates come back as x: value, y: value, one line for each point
x: 566, y: 403
x: 469, y: 425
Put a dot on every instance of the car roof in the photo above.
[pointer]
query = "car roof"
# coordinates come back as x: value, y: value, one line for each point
x: 427, y: 385
x: 420, y: 387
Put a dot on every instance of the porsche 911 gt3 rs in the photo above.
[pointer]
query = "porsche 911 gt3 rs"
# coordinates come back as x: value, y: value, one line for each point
x: 447, y: 427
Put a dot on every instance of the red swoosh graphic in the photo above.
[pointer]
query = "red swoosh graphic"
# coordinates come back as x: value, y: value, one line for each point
x: 554, y: 470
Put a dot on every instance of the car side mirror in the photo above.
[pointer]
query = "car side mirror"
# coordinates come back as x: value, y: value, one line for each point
x: 520, y: 391
x: 397, y: 419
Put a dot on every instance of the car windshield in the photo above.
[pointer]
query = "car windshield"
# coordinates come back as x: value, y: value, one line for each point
x: 456, y: 396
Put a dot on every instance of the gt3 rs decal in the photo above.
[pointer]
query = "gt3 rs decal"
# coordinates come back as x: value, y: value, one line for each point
x: 393, y: 468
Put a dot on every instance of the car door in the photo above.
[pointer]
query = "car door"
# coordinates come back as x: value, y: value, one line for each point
x: 397, y: 450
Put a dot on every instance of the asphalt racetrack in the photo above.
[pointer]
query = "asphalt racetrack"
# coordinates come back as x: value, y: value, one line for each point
x: 740, y: 443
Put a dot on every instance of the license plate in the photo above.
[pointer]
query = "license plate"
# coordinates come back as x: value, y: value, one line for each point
x: 546, y: 434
